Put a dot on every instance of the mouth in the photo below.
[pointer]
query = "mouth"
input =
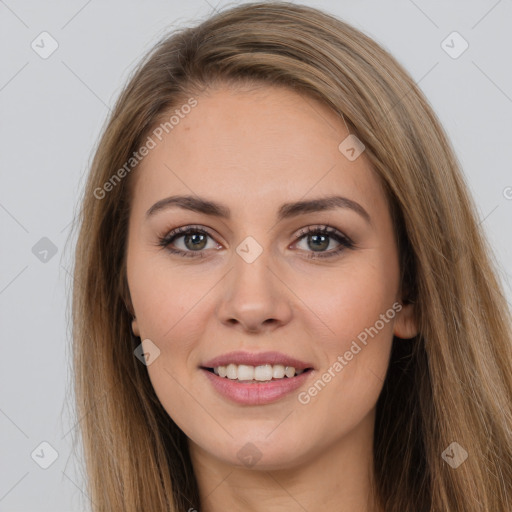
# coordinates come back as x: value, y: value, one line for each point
x: 261, y: 374
x: 251, y: 378
x: 262, y: 389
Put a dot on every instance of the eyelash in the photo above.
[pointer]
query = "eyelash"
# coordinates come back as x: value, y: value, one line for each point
x: 344, y: 241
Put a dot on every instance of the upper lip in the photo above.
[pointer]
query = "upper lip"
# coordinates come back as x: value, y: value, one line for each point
x: 256, y: 359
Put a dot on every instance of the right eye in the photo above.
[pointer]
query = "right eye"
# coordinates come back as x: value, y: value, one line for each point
x: 194, y: 241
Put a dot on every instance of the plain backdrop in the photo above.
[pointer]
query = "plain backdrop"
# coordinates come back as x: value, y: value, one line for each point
x: 52, y: 111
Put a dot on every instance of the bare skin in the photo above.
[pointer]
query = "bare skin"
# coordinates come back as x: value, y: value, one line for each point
x: 252, y: 151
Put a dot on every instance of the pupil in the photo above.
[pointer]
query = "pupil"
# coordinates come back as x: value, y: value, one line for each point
x: 196, y: 239
x: 323, y: 244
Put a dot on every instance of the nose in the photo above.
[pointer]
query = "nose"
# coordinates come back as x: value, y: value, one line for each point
x: 254, y: 298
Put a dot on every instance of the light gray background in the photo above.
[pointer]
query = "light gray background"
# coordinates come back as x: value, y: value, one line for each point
x: 52, y: 111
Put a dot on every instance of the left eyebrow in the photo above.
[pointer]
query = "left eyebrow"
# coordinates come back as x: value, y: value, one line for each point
x: 286, y: 211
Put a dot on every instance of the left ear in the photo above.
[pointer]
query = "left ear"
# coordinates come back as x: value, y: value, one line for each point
x: 405, y: 325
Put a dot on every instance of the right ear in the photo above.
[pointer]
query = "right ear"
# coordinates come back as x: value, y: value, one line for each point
x: 135, y: 327
x: 127, y: 300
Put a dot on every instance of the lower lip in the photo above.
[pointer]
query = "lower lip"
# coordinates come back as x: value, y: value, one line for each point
x: 256, y: 394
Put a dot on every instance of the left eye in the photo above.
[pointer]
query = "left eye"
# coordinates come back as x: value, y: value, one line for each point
x: 193, y: 241
x: 319, y: 239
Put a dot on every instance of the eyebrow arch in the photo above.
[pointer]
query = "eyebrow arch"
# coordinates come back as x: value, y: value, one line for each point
x: 286, y: 211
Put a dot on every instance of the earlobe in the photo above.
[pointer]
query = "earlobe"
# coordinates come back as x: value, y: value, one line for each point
x: 405, y: 326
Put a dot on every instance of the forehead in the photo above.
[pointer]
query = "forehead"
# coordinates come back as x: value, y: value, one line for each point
x: 267, y: 142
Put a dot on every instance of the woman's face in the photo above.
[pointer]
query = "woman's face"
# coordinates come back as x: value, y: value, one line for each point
x: 254, y: 276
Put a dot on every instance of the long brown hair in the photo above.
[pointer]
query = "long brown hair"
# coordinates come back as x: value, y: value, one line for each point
x: 451, y: 383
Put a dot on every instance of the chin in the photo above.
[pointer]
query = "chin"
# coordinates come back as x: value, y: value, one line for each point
x: 260, y: 452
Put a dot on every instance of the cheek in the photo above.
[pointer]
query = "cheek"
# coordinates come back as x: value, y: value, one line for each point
x: 343, y: 303
x: 357, y: 309
x: 164, y: 298
x: 172, y: 310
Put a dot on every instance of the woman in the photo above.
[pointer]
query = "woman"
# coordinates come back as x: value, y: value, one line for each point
x: 283, y: 298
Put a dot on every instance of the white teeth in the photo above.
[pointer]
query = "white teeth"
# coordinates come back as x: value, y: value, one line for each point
x: 278, y: 371
x: 232, y: 371
x: 289, y: 371
x: 262, y: 373
x: 246, y: 372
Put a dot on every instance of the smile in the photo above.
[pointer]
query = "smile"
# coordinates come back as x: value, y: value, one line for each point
x: 260, y: 373
x: 254, y: 392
